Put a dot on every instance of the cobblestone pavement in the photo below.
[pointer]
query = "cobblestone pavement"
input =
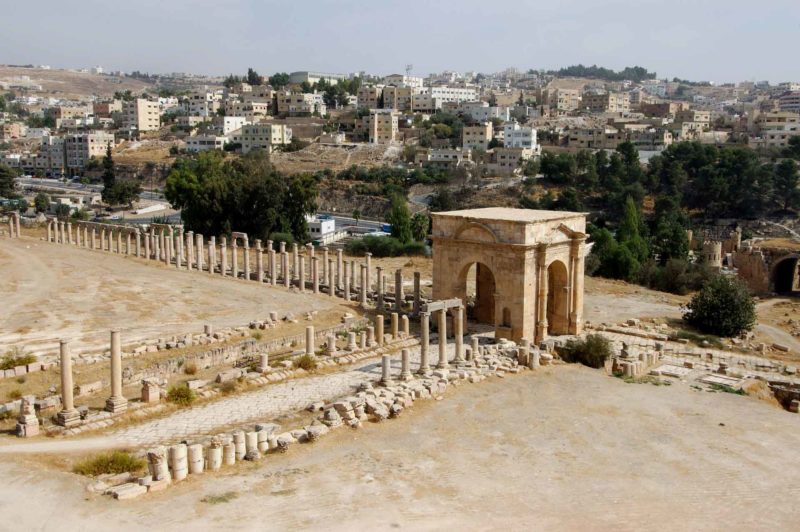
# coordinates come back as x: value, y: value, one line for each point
x: 270, y: 402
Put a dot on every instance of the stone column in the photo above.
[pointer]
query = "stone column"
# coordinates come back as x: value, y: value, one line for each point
x: 371, y: 336
x: 475, y: 347
x: 138, y: 239
x: 246, y: 246
x: 234, y: 258
x: 263, y: 366
x: 93, y: 242
x: 117, y: 402
x: 351, y: 341
x: 364, y: 286
x: 69, y: 230
x: 379, y: 328
x: 405, y: 372
x: 285, y: 268
x: 200, y: 246
x: 386, y: 368
x: 69, y: 416
x: 315, y: 274
x: 353, y: 279
x: 330, y: 344
x: 146, y: 245
x: 442, y: 340
x: 379, y: 289
x: 362, y: 338
x: 273, y: 272
x: 541, y: 299
x: 128, y: 243
x: 346, y: 282
x: 259, y: 262
x: 405, y: 328
x: 223, y: 251
x: 395, y: 325
x: 325, y: 258
x: 16, y: 222
x: 310, y: 340
x: 339, y: 272
x: 458, y: 332
x: 331, y: 287
x: 189, y: 246
x: 102, y: 238
x: 417, y: 293
x: 169, y: 247
x: 179, y: 257
x: 212, y: 254
x: 302, y: 274
x: 119, y: 241
x: 576, y: 290
x: 368, y: 264
x: 310, y: 251
x: 424, y: 325
x: 295, y: 260
x: 398, y: 290
x: 49, y: 231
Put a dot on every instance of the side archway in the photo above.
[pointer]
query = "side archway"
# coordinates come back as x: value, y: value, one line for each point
x: 479, y: 287
x: 785, y: 275
x: 557, y: 298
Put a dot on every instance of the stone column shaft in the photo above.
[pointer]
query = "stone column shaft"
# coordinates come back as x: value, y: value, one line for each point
x: 442, y: 340
x: 424, y: 325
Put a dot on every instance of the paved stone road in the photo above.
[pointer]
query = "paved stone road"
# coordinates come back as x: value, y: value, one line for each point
x: 270, y: 402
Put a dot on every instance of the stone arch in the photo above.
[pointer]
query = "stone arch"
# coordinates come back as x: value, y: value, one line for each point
x: 482, y: 310
x: 558, y: 294
x: 475, y: 232
x: 785, y: 276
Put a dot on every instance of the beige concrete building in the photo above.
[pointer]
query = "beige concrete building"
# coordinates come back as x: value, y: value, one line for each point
x: 291, y: 103
x: 610, y: 102
x: 107, y: 109
x: 263, y: 137
x: 506, y: 161
x: 693, y: 115
x: 442, y: 157
x: 381, y: 126
x: 662, y: 109
x: 12, y: 130
x: 81, y: 148
x: 141, y: 115
x: 527, y: 264
x: 369, y: 96
x: 399, y: 98
x: 562, y: 100
x: 477, y: 137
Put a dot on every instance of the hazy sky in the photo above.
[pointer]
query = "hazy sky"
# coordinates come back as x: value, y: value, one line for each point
x: 718, y: 40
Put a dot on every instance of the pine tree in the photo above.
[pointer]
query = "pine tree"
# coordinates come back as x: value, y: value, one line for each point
x: 109, y: 177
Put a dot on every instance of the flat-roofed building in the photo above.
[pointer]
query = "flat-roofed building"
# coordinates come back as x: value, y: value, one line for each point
x: 263, y: 137
x: 315, y: 77
x: 81, y: 148
x: 382, y: 126
x: 477, y: 137
x: 141, y: 114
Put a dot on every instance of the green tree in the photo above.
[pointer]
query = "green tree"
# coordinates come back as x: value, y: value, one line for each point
x: 786, y: 183
x: 41, y: 202
x: 253, y: 78
x: 356, y: 215
x: 62, y: 211
x: 301, y: 200
x: 629, y: 232
x: 7, y: 184
x: 419, y: 226
x: 724, y: 307
x: 400, y: 219
x: 279, y: 80
x: 109, y: 177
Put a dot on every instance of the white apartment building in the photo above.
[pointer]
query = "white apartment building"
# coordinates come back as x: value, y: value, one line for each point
x: 202, y: 103
x: 141, y: 114
x: 452, y: 94
x: 169, y: 104
x: 300, y: 104
x: 401, y: 80
x: 314, y: 77
x: 251, y: 111
x: 263, y: 137
x: 200, y: 143
x: 482, y: 112
x: 516, y: 136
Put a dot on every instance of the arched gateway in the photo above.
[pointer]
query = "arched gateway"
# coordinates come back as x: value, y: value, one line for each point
x: 533, y: 260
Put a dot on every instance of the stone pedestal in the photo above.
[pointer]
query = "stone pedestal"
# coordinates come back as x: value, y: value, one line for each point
x: 263, y: 365
x: 371, y: 336
x: 351, y: 341
x: 151, y: 391
x: 27, y: 422
x: 331, y: 345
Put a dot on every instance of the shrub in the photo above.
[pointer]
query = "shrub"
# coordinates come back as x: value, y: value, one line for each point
x: 181, y: 395
x: 109, y: 463
x: 724, y: 307
x: 306, y: 362
x: 256, y: 335
x: 190, y: 368
x: 592, y: 352
x: 228, y: 496
x: 16, y: 357
x: 384, y: 246
x: 228, y: 387
x: 277, y: 238
x: 15, y: 394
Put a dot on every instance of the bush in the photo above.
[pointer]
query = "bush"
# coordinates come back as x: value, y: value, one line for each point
x: 306, y: 362
x: 277, y: 238
x: 723, y: 307
x: 592, y: 352
x: 113, y: 463
x: 15, y: 358
x: 228, y: 387
x: 190, y: 368
x: 14, y: 394
x: 181, y: 395
x: 384, y: 246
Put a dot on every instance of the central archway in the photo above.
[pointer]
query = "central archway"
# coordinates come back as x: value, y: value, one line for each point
x: 785, y: 275
x: 557, y: 299
x: 479, y: 289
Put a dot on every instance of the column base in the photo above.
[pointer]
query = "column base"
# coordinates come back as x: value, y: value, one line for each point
x: 68, y: 418
x: 406, y: 377
x: 116, y: 405
x: 424, y: 372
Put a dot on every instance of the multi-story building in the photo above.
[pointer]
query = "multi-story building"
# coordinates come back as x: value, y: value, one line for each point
x: 381, y: 125
x: 263, y: 137
x: 61, y: 111
x: 107, y: 109
x: 607, y: 138
x: 482, y: 112
x: 401, y: 80
x: 141, y: 114
x: 200, y: 143
x: 53, y: 153
x: 516, y: 136
x: 12, y: 130
x: 776, y: 121
x: 661, y: 109
x: 228, y: 124
x: 80, y: 148
x: 399, y: 98
x: 251, y: 111
x: 789, y: 101
x: 314, y: 77
x: 610, y: 102
x: 562, y: 100
x: 693, y: 115
x: 205, y: 103
x: 452, y: 94
x: 442, y: 157
x: 477, y: 137
x: 300, y: 104
x: 506, y: 161
x: 369, y: 96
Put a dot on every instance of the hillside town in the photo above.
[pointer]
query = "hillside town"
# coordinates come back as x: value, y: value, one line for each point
x: 376, y: 295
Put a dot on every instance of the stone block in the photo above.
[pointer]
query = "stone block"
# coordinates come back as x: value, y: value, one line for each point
x: 131, y: 490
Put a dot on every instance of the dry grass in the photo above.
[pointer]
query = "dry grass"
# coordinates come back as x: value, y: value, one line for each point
x: 114, y: 462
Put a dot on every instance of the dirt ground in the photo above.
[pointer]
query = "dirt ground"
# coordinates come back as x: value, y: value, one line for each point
x: 51, y: 292
x: 68, y: 84
x: 566, y: 448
